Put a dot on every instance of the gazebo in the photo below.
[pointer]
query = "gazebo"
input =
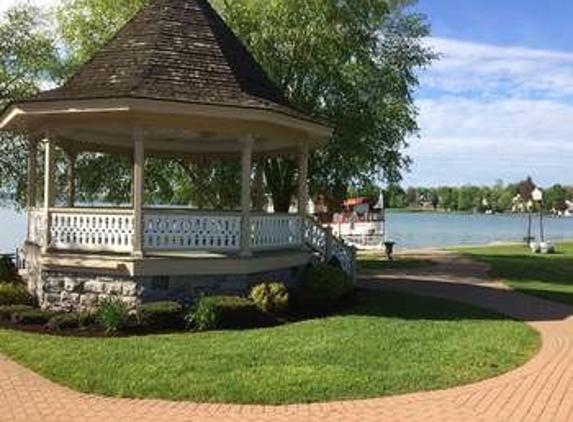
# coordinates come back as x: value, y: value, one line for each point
x: 173, y: 82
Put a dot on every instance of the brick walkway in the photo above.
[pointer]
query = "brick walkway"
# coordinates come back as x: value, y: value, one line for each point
x: 542, y: 390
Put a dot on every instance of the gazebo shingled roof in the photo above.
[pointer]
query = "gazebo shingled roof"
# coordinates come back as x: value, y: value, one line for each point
x: 175, y: 50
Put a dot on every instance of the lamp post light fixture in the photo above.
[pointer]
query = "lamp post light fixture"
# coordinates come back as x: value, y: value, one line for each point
x: 537, y: 196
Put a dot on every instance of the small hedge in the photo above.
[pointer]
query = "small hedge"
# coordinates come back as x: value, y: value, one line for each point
x: 70, y: 321
x: 270, y: 297
x: 226, y: 312
x: 324, y: 286
x: 162, y: 315
x: 15, y: 294
x: 6, y: 311
x: 113, y: 314
x: 32, y: 317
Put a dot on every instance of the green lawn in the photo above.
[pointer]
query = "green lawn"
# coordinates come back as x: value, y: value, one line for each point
x: 371, y: 261
x: 387, y: 343
x: 548, y: 276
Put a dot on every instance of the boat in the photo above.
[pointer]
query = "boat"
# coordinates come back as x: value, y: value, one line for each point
x: 361, y: 223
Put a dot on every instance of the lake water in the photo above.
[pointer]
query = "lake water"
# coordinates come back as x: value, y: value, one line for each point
x: 410, y: 230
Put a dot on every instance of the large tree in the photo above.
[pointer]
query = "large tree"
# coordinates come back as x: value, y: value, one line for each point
x: 28, y: 61
x: 351, y: 63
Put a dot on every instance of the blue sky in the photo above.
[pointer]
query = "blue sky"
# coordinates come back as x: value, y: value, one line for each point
x: 499, y: 103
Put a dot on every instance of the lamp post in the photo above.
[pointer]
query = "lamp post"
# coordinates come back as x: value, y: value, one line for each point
x: 537, y: 196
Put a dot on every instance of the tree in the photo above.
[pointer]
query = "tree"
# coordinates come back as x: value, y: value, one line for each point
x: 351, y: 63
x: 28, y: 59
x: 555, y: 198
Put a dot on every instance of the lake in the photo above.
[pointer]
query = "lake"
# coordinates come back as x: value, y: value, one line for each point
x: 409, y: 230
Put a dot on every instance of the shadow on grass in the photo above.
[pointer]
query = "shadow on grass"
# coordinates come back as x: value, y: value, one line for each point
x: 379, y: 263
x: 424, y: 300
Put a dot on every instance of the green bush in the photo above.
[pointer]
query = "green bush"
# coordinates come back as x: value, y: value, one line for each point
x: 161, y: 315
x: 6, y: 311
x: 71, y: 320
x: 113, y: 314
x: 15, y: 294
x: 226, y: 312
x: 32, y: 317
x: 270, y: 297
x: 324, y: 286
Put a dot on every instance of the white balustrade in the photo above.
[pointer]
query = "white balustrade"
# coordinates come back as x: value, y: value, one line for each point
x: 36, y: 226
x: 276, y: 231
x: 172, y: 230
x: 321, y: 240
x: 93, y: 230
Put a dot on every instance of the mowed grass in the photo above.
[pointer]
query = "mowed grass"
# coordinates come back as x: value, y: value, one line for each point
x: 373, y: 261
x: 387, y: 343
x: 547, y: 276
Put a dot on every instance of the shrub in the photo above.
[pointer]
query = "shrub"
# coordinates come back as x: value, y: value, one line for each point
x: 162, y: 315
x: 270, y: 297
x: 15, y: 294
x: 6, y: 311
x: 32, y: 317
x: 324, y: 286
x: 70, y: 320
x: 226, y: 312
x: 113, y: 314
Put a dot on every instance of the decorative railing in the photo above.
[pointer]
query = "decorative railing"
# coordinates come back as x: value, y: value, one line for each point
x: 37, y: 226
x: 171, y: 230
x: 322, y: 241
x: 91, y: 230
x: 276, y: 231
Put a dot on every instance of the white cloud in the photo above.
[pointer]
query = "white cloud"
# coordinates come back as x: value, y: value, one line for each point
x: 489, y: 112
x: 466, y: 67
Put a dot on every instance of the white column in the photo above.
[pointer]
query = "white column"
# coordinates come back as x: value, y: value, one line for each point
x: 302, y: 198
x: 71, y: 194
x: 32, y: 173
x: 49, y: 187
x: 138, y: 190
x: 247, y: 143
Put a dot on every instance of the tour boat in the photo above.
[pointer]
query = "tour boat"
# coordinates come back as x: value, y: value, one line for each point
x: 361, y: 223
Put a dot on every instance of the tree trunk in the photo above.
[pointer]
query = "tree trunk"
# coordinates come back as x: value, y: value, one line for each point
x: 280, y: 174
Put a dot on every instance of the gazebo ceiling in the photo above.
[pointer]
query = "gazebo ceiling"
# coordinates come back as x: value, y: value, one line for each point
x: 175, y: 65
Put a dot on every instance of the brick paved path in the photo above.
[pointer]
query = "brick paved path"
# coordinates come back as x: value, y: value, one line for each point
x: 542, y: 390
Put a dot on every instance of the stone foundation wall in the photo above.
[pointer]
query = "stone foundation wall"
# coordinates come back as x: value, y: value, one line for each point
x: 76, y: 291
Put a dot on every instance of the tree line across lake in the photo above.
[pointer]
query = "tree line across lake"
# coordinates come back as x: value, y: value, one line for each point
x: 499, y: 198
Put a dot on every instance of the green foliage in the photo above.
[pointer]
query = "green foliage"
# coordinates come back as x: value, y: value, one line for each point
x: 6, y: 311
x: 225, y: 312
x: 71, y: 320
x: 324, y: 286
x: 28, y: 58
x: 162, y: 315
x: 270, y: 297
x: 113, y: 314
x: 343, y: 62
x: 15, y: 294
x: 497, y: 198
x: 32, y: 317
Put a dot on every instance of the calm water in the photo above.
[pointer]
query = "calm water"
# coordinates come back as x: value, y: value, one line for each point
x: 410, y: 230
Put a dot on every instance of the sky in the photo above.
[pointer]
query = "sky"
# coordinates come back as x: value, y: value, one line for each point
x: 498, y: 104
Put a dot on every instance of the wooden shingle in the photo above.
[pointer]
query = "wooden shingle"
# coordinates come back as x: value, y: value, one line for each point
x: 176, y: 50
